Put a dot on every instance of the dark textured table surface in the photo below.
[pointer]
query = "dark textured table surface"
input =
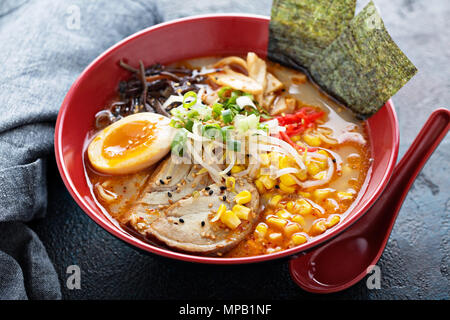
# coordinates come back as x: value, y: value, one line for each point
x: 415, y: 264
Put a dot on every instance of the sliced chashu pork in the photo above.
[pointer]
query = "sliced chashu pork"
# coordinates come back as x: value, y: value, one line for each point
x: 186, y: 225
x: 169, y: 183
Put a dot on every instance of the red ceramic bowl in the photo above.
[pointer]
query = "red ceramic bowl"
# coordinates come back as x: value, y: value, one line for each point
x: 178, y: 40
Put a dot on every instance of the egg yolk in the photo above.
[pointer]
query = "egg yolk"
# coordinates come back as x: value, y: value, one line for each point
x: 127, y: 139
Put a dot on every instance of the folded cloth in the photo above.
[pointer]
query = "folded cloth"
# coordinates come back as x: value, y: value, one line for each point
x: 44, y: 47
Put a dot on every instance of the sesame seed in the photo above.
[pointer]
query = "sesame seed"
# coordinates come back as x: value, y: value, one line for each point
x: 211, y: 192
x: 169, y: 194
x: 161, y: 181
x: 181, y: 220
x: 224, y: 198
x: 203, y: 223
x: 207, y: 188
x: 277, y: 186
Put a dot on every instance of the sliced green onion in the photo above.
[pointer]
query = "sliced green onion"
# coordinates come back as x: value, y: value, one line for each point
x: 244, y: 123
x: 263, y: 127
x: 232, y: 100
x: 189, y: 124
x: 191, y: 102
x: 176, y: 124
x: 234, y: 145
x: 179, y: 142
x: 192, y: 114
x: 217, y: 109
x: 212, y: 131
x: 226, y: 132
x: 227, y: 116
x: 245, y: 101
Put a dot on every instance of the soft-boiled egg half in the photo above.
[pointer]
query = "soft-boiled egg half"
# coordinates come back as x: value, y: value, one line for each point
x: 131, y: 144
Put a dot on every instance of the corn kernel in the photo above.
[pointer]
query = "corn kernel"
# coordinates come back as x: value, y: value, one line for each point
x: 321, y: 175
x: 261, y: 229
x: 323, y: 152
x: 301, y: 175
x: 298, y: 239
x: 290, y: 206
x: 287, y: 189
x: 264, y: 159
x: 285, y: 162
x: 313, y: 168
x: 230, y: 183
x: 292, y: 228
x: 237, y: 168
x: 243, y: 197
x: 284, y: 214
x: 276, y: 237
x: 276, y: 222
x: 267, y: 196
x: 318, y: 228
x: 304, y: 207
x: 295, y: 138
x: 299, y: 219
x: 241, y: 211
x: 320, y: 194
x: 323, y: 163
x: 332, y: 221
x: 304, y: 194
x: 260, y: 186
x: 344, y: 195
x: 274, y: 157
x: 268, y: 182
x: 312, y: 140
x: 275, y: 200
x: 220, y: 211
x: 287, y: 180
x: 230, y: 219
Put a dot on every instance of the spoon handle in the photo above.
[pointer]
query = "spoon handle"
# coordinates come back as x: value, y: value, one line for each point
x: 406, y: 171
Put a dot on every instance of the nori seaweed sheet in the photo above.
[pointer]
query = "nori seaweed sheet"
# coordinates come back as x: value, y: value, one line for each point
x: 363, y: 67
x: 301, y: 29
x: 359, y: 64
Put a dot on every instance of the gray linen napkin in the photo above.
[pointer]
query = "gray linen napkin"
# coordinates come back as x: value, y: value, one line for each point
x: 44, y: 45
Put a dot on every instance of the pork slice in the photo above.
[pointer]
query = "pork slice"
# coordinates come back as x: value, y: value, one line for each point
x: 186, y: 225
x: 169, y: 183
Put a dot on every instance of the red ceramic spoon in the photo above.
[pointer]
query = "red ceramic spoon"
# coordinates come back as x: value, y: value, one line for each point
x: 343, y: 261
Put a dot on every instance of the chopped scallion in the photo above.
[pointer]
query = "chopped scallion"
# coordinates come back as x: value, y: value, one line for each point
x: 227, y: 116
x: 189, y: 99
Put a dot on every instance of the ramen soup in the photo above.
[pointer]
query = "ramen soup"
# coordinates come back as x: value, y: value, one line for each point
x: 225, y: 156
